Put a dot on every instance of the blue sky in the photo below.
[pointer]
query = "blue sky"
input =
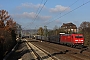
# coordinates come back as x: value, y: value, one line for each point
x: 54, y: 12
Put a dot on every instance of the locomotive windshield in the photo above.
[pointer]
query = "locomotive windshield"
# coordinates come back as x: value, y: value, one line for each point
x: 78, y: 36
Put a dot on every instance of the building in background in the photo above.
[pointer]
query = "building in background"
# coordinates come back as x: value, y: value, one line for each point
x: 69, y: 28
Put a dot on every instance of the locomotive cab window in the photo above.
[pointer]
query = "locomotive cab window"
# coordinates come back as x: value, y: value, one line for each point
x: 78, y: 36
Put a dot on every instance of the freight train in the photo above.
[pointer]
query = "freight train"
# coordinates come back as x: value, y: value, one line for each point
x: 72, y: 40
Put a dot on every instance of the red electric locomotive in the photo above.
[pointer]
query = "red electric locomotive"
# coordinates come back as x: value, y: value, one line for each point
x: 72, y: 39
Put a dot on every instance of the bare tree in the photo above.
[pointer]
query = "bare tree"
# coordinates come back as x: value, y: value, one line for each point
x: 85, y: 30
x: 7, y: 32
x: 5, y: 20
x: 41, y: 31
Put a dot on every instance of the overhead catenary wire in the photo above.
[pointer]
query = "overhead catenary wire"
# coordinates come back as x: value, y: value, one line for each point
x: 39, y: 7
x: 69, y: 12
x: 38, y: 12
x: 67, y: 8
x: 64, y: 9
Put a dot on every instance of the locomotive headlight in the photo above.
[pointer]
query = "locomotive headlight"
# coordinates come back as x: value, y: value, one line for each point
x: 81, y: 40
x: 76, y: 40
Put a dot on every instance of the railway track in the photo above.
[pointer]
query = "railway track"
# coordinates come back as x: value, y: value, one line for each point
x: 40, y: 53
x: 62, y: 52
x: 49, y: 51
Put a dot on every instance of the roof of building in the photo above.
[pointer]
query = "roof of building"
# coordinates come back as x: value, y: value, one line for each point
x: 69, y: 25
